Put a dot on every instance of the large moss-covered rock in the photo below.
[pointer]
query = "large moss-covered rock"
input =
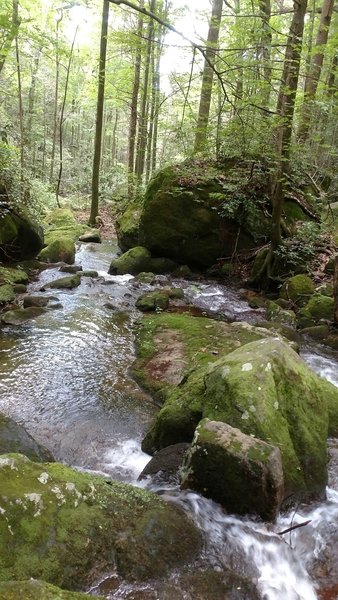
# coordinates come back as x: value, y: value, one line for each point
x: 194, y: 212
x: 59, y: 250
x: 37, y: 590
x: 320, y: 307
x: 264, y: 389
x: 13, y: 275
x: 20, y: 236
x: 133, y: 261
x: 280, y: 315
x: 127, y: 228
x: 61, y: 223
x: 298, y: 289
x: 240, y: 472
x: 68, y: 528
x: 15, y: 438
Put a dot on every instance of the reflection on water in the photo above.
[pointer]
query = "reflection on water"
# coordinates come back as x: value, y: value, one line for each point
x: 65, y: 374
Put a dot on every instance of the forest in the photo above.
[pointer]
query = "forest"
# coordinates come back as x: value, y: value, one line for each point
x: 168, y: 299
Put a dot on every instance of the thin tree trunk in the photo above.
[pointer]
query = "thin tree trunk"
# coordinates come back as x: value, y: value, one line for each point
x: 315, y: 69
x: 134, y: 104
x: 207, y: 79
x: 114, y: 138
x: 56, y: 97
x: 142, y: 130
x: 94, y: 209
x: 21, y: 123
x: 286, y: 106
x: 62, y: 119
x: 151, y: 116
x: 12, y: 33
x: 31, y: 96
x: 266, y: 39
x: 335, y: 289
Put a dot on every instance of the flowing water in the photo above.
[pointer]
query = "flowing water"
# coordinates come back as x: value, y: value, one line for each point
x: 65, y: 377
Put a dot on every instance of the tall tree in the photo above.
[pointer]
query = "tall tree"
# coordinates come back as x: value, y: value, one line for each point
x: 9, y: 33
x: 94, y: 209
x: 207, y: 78
x: 315, y: 68
x: 134, y: 102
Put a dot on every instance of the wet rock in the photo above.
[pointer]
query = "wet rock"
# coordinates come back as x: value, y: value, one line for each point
x: 173, y: 293
x: 262, y: 388
x: 68, y: 527
x: 165, y: 464
x: 22, y: 315
x: 133, y: 261
x: 91, y: 237
x: 65, y: 283
x: 317, y: 332
x: 144, y: 277
x: 240, y: 472
x: 36, y: 301
x: 70, y: 269
x: 298, y: 289
x: 151, y: 301
x: 319, y: 307
x: 20, y: 288
x: 162, y: 265
x: 15, y: 438
x: 90, y: 273
x: 36, y: 590
x: 183, y: 271
x: 61, y: 249
x: 55, y: 305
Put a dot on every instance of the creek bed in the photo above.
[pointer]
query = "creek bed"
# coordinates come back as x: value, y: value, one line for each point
x: 64, y: 376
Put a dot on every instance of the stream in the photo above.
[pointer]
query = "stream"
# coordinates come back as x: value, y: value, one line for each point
x: 64, y: 376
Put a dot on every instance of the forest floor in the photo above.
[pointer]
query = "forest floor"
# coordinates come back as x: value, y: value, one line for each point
x: 107, y: 227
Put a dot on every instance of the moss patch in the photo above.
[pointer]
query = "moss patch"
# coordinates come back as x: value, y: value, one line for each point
x: 36, y: 590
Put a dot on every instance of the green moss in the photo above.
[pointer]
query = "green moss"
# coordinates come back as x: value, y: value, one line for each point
x: 65, y: 283
x: 280, y: 315
x: 36, y: 590
x: 60, y: 525
x: 150, y: 301
x: 133, y: 261
x: 13, y: 275
x: 298, y: 289
x: 22, y: 315
x: 7, y: 293
x: 61, y: 249
x: 8, y: 229
x: 127, y: 228
x: 320, y: 307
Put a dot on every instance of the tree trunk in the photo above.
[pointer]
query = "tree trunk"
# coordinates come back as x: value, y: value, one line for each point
x: 31, y: 96
x: 21, y: 122
x: 206, y: 90
x: 266, y: 39
x: 286, y: 108
x: 315, y: 69
x: 62, y: 119
x: 335, y: 289
x: 12, y: 33
x: 94, y: 210
x: 142, y: 130
x: 134, y: 104
x: 56, y: 97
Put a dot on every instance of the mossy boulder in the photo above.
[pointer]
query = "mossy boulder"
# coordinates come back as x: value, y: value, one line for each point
x: 127, y: 228
x: 298, y: 289
x: 150, y: 301
x: 20, y: 236
x: 61, y: 249
x: 15, y: 438
x: 13, y: 275
x: 61, y: 223
x: 68, y: 527
x: 262, y: 388
x: 22, y: 315
x: 64, y: 283
x: 193, y: 212
x: 320, y: 307
x: 280, y: 315
x: 240, y: 472
x: 133, y: 261
x: 37, y: 590
x: 7, y: 293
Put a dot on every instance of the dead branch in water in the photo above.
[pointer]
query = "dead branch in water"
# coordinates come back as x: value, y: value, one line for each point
x: 294, y: 527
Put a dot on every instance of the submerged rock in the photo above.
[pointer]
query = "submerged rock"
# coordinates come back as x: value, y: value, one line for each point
x: 36, y: 301
x: 240, y: 472
x: 70, y: 269
x: 68, y: 527
x: 21, y: 315
x: 15, y: 438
